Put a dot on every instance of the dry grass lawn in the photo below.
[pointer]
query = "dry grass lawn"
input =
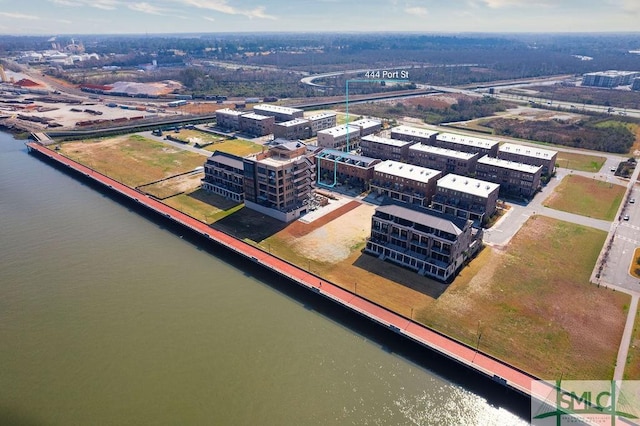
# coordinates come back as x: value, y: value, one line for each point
x: 203, y: 206
x: 239, y: 147
x: 580, y: 162
x: 534, y: 306
x: 586, y: 197
x: 132, y: 159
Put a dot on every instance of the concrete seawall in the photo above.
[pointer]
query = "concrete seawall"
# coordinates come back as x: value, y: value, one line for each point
x: 484, y: 364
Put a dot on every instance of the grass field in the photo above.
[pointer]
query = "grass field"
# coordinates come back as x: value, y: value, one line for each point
x: 534, y: 306
x: 203, y: 206
x: 132, y: 159
x: 580, y: 162
x: 239, y: 147
x: 586, y: 197
x: 196, y: 136
x: 634, y: 268
x: 632, y: 370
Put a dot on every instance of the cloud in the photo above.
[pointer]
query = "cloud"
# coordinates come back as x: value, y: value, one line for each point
x: 223, y: 6
x: 417, y: 11
x: 208, y: 18
x: 147, y: 8
x: 99, y: 4
x: 500, y: 4
x: 19, y: 16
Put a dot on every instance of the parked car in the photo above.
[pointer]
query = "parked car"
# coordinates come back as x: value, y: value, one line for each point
x: 625, y: 217
x: 632, y: 201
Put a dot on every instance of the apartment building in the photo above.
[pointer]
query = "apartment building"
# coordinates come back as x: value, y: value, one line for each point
x: 385, y: 148
x: 279, y: 182
x: 446, y: 160
x: 413, y: 134
x: 280, y: 113
x: 368, y: 126
x: 337, y: 168
x: 256, y: 125
x: 466, y: 144
x: 611, y: 78
x: 228, y: 118
x: 298, y: 128
x: 426, y: 241
x: 321, y: 121
x: 224, y: 175
x: 405, y: 182
x: 343, y: 138
x: 466, y: 197
x: 515, y: 179
x: 529, y: 155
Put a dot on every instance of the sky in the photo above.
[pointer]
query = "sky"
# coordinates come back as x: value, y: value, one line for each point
x: 53, y: 17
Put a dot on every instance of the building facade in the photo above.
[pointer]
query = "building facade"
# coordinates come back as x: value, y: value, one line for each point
x: 342, y: 138
x: 385, y: 148
x: 466, y: 197
x: 368, y: 126
x: 530, y: 155
x: 428, y: 242
x: 515, y: 179
x: 338, y: 168
x: 405, y: 182
x: 224, y: 175
x: 279, y: 182
x: 445, y: 160
x: 298, y: 128
x: 466, y: 144
x: 324, y: 120
x: 228, y: 118
x: 256, y: 125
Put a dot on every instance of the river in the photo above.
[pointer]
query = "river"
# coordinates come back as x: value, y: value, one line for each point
x: 110, y: 317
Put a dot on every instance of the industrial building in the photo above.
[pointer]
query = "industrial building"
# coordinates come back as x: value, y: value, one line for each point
x: 465, y: 197
x: 405, y: 182
x: 515, y: 179
x: 279, y: 182
x: 611, y: 78
x: 223, y: 175
x: 424, y: 240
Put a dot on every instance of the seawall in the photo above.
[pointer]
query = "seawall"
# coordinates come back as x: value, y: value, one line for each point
x: 465, y: 355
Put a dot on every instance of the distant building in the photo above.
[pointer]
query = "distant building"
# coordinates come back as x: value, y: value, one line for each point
x: 223, y: 175
x: 298, y: 128
x: 428, y: 242
x: 280, y: 113
x: 342, y: 138
x: 321, y: 121
x: 405, y: 182
x: 515, y: 179
x: 446, y: 160
x: 611, y: 78
x: 279, y: 182
x: 337, y: 168
x: 413, y: 134
x: 466, y: 197
x: 385, y: 148
x: 228, y: 118
x: 466, y: 144
x: 256, y: 124
x: 636, y: 84
x: 529, y: 155
x: 367, y: 126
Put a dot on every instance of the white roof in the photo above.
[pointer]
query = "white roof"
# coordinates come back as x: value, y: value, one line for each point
x: 413, y: 131
x: 321, y: 116
x: 340, y: 130
x: 276, y: 108
x: 512, y: 165
x: 229, y: 111
x: 366, y: 123
x: 467, y: 140
x: 254, y: 116
x: 407, y: 171
x: 294, y: 122
x: 445, y: 152
x: 529, y: 151
x: 477, y: 187
x: 385, y: 141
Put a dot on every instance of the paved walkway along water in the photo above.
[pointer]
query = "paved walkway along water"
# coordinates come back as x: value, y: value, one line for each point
x: 468, y: 356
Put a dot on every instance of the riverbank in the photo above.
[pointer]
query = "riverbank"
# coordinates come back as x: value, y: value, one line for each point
x: 463, y: 354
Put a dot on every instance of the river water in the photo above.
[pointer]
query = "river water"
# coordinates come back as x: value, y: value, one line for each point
x: 113, y: 318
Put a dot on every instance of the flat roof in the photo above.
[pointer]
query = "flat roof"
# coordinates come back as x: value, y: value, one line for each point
x: 413, y: 131
x: 529, y: 151
x: 407, y: 171
x: 506, y: 164
x: 445, y: 152
x: 254, y: 116
x: 321, y: 116
x: 427, y: 217
x: 366, y: 122
x: 276, y: 108
x: 385, y: 141
x: 226, y: 159
x: 467, y: 185
x: 294, y: 122
x: 347, y: 158
x: 340, y: 130
x: 467, y: 140
x: 230, y: 111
